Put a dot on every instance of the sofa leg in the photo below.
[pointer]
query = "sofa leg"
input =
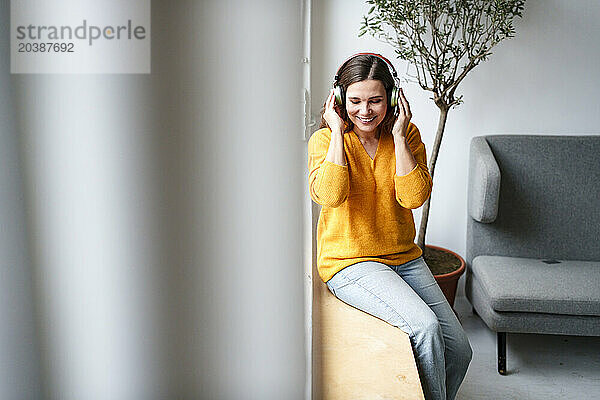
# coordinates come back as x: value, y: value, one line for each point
x: 502, y: 353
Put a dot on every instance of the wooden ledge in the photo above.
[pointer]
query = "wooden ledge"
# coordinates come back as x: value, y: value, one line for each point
x: 358, y: 356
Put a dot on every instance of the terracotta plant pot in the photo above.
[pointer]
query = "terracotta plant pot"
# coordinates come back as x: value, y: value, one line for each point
x: 449, y: 281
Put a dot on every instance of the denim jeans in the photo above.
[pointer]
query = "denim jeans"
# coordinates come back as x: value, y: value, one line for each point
x: 408, y: 297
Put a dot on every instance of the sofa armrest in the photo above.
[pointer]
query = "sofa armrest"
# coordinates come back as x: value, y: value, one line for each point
x: 484, y: 182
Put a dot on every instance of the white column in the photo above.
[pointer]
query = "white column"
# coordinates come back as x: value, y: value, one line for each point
x: 243, y: 99
x: 19, y: 373
x: 88, y: 175
x: 166, y: 212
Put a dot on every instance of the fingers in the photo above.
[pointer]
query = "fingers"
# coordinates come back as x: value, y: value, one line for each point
x: 330, y: 100
x: 331, y: 104
x: 331, y: 114
x: 404, y: 105
x: 403, y: 117
x: 402, y: 102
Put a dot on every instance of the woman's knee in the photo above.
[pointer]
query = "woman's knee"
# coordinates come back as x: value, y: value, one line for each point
x: 463, y: 353
x: 467, y: 352
x: 427, y: 328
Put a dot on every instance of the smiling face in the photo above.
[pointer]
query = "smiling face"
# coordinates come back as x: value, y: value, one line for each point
x: 366, y: 104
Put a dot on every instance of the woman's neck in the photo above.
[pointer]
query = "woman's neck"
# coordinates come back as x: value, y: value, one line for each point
x: 367, y: 137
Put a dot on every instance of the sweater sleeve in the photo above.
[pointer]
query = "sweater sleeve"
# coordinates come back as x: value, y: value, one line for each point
x: 414, y: 188
x: 329, y: 183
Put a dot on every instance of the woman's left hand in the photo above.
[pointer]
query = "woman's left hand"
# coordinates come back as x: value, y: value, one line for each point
x: 403, y: 118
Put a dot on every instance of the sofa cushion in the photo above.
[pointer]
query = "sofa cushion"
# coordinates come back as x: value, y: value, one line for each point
x: 566, y: 287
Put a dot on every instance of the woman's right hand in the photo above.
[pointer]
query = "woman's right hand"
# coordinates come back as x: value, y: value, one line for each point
x: 331, y: 116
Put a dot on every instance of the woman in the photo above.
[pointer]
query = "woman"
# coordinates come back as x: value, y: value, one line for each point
x: 367, y: 168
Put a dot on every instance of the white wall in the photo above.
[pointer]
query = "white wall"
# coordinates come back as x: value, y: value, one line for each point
x: 544, y: 81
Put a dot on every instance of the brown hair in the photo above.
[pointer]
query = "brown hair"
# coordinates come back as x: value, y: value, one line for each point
x: 360, y: 68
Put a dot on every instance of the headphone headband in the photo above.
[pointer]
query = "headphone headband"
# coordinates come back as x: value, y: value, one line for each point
x: 389, y: 64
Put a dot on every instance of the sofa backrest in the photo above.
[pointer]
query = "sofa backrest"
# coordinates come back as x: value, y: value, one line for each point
x: 549, y: 203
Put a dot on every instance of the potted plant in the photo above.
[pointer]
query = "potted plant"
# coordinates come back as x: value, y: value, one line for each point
x: 443, y: 40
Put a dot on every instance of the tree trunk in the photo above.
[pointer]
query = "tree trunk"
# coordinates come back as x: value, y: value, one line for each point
x: 434, y: 155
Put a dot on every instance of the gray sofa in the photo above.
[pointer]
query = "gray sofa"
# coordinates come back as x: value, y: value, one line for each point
x: 533, y: 229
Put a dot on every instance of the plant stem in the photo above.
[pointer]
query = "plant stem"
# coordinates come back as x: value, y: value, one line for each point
x: 434, y: 155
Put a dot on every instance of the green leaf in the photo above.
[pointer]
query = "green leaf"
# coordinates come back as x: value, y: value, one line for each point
x: 469, y: 29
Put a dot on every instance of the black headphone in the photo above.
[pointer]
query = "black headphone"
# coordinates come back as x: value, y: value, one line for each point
x: 338, y: 91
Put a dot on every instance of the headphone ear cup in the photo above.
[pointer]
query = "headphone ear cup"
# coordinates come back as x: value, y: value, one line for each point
x: 394, y: 96
x: 338, y: 93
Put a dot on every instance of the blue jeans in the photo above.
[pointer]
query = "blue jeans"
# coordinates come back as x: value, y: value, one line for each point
x: 408, y: 297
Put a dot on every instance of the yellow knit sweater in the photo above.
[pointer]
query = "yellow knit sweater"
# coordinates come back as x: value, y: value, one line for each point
x: 366, y: 213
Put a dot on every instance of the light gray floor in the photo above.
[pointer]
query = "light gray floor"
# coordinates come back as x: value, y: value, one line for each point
x: 547, y: 367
